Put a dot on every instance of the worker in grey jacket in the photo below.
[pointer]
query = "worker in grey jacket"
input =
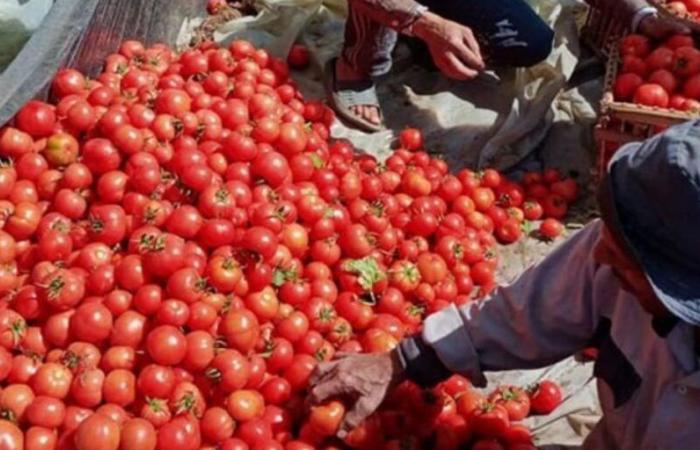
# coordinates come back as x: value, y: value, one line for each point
x: 463, y: 38
x: 628, y: 284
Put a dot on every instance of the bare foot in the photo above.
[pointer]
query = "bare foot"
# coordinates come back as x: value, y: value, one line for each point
x: 343, y: 72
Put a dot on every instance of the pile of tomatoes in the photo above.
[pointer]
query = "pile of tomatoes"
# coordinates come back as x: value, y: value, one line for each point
x: 665, y: 74
x: 181, y: 243
x: 446, y: 417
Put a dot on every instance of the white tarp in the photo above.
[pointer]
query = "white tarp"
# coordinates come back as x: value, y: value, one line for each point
x: 18, y: 19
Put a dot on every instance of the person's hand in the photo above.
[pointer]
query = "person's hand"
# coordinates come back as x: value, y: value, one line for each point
x: 453, y: 46
x: 365, y: 379
x: 658, y: 27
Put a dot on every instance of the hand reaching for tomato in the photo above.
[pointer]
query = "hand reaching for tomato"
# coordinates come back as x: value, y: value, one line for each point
x: 364, y: 378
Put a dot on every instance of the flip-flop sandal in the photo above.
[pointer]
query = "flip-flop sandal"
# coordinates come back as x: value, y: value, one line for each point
x: 344, y: 95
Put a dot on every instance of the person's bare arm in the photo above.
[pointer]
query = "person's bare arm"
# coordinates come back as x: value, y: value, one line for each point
x: 452, y: 45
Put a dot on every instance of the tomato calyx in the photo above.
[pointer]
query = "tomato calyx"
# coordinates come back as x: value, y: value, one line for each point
x: 9, y: 415
x: 53, y: 289
x: 408, y: 270
x: 377, y: 208
x: 220, y: 343
x: 321, y: 354
x: 156, y: 404
x: 316, y: 161
x: 282, y: 275
x: 151, y: 243
x: 70, y: 359
x: 367, y: 271
x: 213, y: 374
x: 187, y: 404
x: 96, y: 224
x: 18, y: 329
x: 268, y: 348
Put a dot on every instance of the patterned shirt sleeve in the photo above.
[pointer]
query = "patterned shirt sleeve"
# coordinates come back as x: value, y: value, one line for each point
x: 621, y: 10
x: 549, y: 313
x: 396, y: 14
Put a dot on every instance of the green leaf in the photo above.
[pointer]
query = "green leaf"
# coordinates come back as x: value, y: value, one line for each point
x: 281, y: 276
x: 367, y: 271
x: 316, y: 160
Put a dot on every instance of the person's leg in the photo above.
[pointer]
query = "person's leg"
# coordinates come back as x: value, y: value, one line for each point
x: 366, y: 53
x: 509, y: 31
x: 368, y: 45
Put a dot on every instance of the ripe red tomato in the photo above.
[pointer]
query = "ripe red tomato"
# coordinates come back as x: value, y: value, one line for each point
x: 245, y: 404
x: 11, y: 437
x: 665, y: 79
x: 166, y: 345
x: 490, y: 420
x: 660, y: 58
x: 182, y: 432
x: 555, y: 206
x: 651, y: 94
x: 325, y: 419
x: 298, y: 57
x: 217, y: 425
x: 545, y: 397
x: 99, y: 431
x: 515, y: 401
x: 36, y: 118
x: 509, y: 231
x: 137, y: 434
x: 551, y: 228
x: 432, y: 268
x: 686, y: 61
x: 411, y: 139
x: 635, y: 45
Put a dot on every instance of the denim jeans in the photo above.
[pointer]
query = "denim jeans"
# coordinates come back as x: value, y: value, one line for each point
x: 509, y: 32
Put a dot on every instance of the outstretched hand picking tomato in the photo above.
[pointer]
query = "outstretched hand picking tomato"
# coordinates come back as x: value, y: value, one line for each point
x: 367, y: 378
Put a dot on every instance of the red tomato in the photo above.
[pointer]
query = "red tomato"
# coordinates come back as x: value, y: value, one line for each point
x: 686, y: 61
x: 490, y: 420
x: 298, y: 57
x: 137, y: 434
x: 635, y: 45
x: 411, y: 139
x: 325, y: 419
x: 515, y: 401
x: 651, y: 94
x: 551, y: 228
x: 545, y: 397
x: 665, y: 79
x: 166, y: 345
x: 97, y: 431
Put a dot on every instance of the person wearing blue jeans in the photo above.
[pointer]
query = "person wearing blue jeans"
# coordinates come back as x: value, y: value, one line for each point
x: 462, y: 36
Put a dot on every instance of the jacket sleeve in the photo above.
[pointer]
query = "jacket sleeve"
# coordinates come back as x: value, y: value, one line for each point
x: 546, y: 315
x: 621, y: 10
x: 396, y: 14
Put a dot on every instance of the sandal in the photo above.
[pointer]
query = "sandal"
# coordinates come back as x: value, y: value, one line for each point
x: 344, y: 95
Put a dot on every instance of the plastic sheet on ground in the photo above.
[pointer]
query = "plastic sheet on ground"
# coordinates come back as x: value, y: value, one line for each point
x: 17, y: 22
